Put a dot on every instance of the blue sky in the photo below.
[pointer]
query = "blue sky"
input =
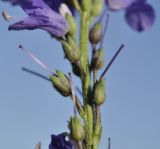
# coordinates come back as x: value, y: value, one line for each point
x: 31, y: 110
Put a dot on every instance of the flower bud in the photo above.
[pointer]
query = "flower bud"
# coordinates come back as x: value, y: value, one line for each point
x: 71, y: 49
x: 98, y: 59
x: 61, y: 83
x: 95, y: 33
x: 76, y: 129
x: 97, y: 6
x: 99, y: 92
x: 72, y: 24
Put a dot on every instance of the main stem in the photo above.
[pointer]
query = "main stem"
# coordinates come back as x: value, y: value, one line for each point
x: 84, y: 27
x: 88, y: 120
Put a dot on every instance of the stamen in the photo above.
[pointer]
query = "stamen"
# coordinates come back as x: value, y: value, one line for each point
x: 35, y: 59
x: 111, y: 62
x: 105, y: 29
x: 101, y: 16
x: 79, y: 91
x: 73, y: 93
x: 6, y: 16
x: 38, y: 145
x: 109, y: 143
x: 36, y: 74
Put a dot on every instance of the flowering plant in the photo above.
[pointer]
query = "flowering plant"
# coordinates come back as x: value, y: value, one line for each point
x: 57, y: 17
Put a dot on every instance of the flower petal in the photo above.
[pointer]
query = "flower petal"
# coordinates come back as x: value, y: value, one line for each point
x: 55, y: 4
x: 40, y: 22
x: 41, y: 16
x: 120, y: 4
x: 140, y: 16
x: 59, y: 142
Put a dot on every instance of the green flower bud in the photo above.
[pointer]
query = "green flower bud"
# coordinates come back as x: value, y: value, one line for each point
x: 72, y: 24
x: 99, y: 92
x: 61, y: 83
x: 76, y: 129
x: 95, y: 33
x: 71, y: 49
x: 98, y: 59
x: 97, y: 6
x: 72, y: 42
x: 86, y: 5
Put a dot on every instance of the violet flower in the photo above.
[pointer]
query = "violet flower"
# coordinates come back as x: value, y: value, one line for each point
x: 55, y: 4
x: 59, y: 142
x: 138, y: 14
x: 40, y: 16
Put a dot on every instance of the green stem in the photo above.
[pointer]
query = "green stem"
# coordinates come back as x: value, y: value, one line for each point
x: 84, y: 32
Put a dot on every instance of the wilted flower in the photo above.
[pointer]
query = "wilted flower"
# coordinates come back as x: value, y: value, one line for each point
x: 138, y: 14
x: 40, y: 16
x: 59, y: 142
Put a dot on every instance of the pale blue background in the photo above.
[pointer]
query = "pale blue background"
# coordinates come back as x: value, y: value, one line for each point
x: 30, y: 109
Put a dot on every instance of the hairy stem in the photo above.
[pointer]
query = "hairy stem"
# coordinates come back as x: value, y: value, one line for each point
x: 84, y: 32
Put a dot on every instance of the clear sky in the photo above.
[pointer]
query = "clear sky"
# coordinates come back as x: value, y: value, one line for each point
x: 31, y: 110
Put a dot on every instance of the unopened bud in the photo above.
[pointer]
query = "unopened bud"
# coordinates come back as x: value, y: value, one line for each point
x: 95, y: 33
x: 99, y: 92
x: 98, y: 59
x: 97, y: 6
x: 76, y: 129
x: 71, y: 49
x: 72, y: 24
x: 61, y: 83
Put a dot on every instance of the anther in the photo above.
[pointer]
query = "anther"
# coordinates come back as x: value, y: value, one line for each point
x: 6, y: 16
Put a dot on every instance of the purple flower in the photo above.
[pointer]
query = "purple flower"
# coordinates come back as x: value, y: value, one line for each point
x: 119, y: 4
x: 40, y: 16
x: 59, y: 142
x: 138, y: 14
x: 55, y: 4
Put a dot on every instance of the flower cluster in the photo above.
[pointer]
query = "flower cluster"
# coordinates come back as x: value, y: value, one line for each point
x: 58, y: 18
x: 138, y: 13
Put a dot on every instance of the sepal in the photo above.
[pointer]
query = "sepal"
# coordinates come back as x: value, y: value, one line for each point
x: 61, y: 83
x: 99, y: 96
